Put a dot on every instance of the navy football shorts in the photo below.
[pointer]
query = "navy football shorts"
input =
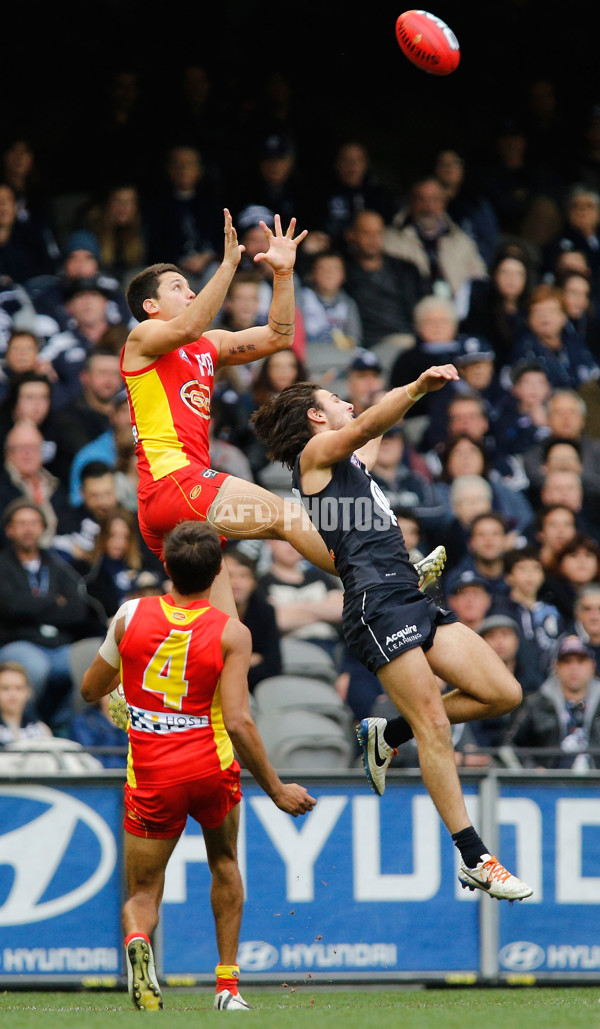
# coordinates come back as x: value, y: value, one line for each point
x: 380, y: 624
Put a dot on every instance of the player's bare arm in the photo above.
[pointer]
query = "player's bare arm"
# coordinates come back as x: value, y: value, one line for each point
x: 369, y: 453
x: 179, y: 316
x: 278, y: 334
x: 330, y: 446
x: 236, y: 646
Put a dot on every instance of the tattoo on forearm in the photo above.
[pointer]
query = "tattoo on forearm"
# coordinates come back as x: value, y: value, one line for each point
x: 243, y: 347
x: 282, y: 328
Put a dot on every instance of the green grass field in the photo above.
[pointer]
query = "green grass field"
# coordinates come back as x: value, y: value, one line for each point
x: 571, y: 1007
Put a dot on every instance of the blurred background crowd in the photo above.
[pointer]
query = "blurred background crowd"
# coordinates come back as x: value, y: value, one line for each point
x: 449, y: 221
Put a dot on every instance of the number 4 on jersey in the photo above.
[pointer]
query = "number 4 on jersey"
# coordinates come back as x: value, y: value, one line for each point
x: 165, y: 672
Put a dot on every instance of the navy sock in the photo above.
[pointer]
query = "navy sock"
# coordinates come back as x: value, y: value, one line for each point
x: 397, y: 732
x: 471, y: 846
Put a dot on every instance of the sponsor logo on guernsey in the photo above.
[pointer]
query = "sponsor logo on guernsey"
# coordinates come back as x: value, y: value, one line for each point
x: 165, y: 722
x: 196, y: 396
x: 183, y: 354
x: 209, y: 474
x: 205, y: 364
x: 195, y: 491
x: 406, y: 635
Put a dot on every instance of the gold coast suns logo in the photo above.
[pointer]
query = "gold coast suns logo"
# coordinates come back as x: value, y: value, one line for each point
x: 197, y: 397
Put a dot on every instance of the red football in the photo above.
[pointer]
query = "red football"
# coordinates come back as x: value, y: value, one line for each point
x: 428, y: 42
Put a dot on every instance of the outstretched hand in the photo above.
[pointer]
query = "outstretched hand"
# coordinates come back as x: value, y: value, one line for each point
x: 281, y: 255
x: 436, y: 377
x: 233, y: 250
x: 294, y: 799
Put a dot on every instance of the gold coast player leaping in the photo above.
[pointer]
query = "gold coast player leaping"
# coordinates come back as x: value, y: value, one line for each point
x: 168, y: 364
x: 184, y: 668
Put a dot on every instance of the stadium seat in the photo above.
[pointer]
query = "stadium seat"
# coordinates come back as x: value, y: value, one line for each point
x: 300, y: 694
x: 276, y: 477
x: 308, y: 659
x: 326, y: 361
x: 304, y: 741
x: 81, y: 655
x: 45, y: 756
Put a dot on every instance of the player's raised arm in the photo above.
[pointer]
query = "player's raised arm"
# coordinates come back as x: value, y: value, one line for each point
x: 328, y: 447
x: 168, y: 312
x: 278, y: 334
x: 236, y: 645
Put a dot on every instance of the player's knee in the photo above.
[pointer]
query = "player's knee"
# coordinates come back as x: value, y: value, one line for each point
x: 510, y: 696
x: 431, y: 726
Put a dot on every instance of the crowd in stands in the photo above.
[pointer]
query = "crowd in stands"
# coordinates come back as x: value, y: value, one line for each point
x: 493, y: 266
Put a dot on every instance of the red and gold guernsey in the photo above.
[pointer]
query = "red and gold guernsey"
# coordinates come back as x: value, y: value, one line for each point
x: 171, y: 662
x: 169, y: 403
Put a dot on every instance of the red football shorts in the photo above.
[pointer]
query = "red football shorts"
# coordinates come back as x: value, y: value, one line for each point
x: 185, y: 494
x: 160, y: 813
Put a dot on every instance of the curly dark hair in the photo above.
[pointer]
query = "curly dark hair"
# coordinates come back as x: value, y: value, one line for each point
x: 282, y: 423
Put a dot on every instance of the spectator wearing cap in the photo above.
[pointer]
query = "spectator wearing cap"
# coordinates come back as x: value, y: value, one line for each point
x: 502, y: 634
x: 470, y: 599
x: 252, y: 237
x: 540, y: 622
x: 521, y: 416
x: 564, y: 714
x: 385, y: 288
x: 475, y: 364
x: 147, y: 584
x: 86, y: 303
x: 80, y: 260
x: 275, y: 181
x: 364, y: 380
x: 182, y: 216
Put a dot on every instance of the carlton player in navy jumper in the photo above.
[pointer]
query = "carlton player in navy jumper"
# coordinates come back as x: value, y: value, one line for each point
x: 396, y: 631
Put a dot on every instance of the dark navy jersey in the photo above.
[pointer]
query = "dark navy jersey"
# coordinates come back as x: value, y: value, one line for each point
x: 359, y: 528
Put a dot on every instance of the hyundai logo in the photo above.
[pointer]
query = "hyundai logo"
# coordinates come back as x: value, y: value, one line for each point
x: 522, y: 956
x: 256, y: 955
x: 35, y: 851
